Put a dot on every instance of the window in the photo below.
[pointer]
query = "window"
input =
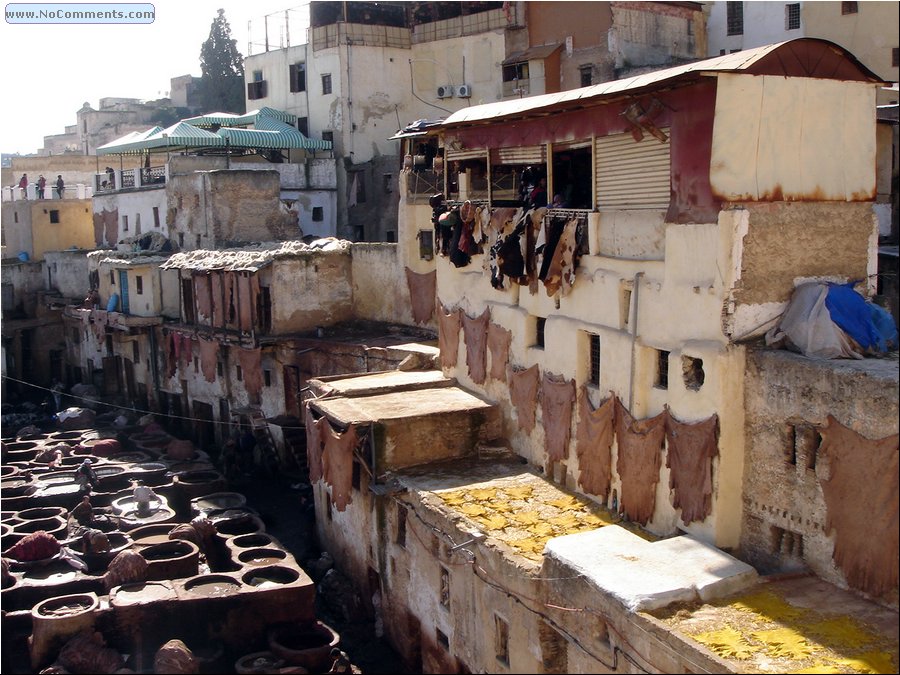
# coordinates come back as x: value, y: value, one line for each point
x: 501, y: 639
x: 515, y: 71
x: 257, y: 76
x: 318, y: 214
x: 54, y: 216
x: 792, y: 16
x: 196, y: 365
x: 303, y: 125
x: 125, y: 223
x: 328, y: 136
x: 445, y: 587
x: 735, y: 17
x: 112, y: 278
x: 426, y: 244
x: 390, y: 236
x: 539, y: 324
x: 895, y: 57
x: 139, y: 284
x: 238, y: 373
x: 401, y: 526
x: 267, y: 378
x: 220, y: 368
x: 662, y: 369
x: 587, y: 75
x: 692, y: 372
x: 257, y: 88
x: 135, y: 351
x: 137, y: 223
x: 595, y: 359
x: 297, y: 74
x: 849, y: 7
x: 359, y: 180
x: 326, y: 84
x: 387, y: 180
x: 181, y: 239
x: 155, y: 216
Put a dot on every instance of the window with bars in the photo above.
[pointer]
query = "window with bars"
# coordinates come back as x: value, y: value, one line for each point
x: 595, y: 359
x: 792, y: 16
x: 326, y: 84
x: 849, y: 7
x: 587, y: 75
x: 735, y: 17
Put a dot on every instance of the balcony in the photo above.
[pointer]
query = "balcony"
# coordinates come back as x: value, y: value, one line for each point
x: 130, y: 179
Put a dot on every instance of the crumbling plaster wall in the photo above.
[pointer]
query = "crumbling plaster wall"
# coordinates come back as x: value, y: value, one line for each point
x: 213, y: 209
x: 310, y: 290
x: 68, y: 273
x: 784, y: 389
x: 110, y: 210
x: 26, y: 279
x: 380, y: 291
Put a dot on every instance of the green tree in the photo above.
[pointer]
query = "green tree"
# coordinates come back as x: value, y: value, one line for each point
x: 221, y: 70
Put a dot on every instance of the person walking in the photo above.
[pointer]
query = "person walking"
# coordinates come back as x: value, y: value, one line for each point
x: 41, y: 184
x: 60, y: 186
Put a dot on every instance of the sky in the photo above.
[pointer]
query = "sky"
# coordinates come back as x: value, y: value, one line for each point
x: 52, y: 69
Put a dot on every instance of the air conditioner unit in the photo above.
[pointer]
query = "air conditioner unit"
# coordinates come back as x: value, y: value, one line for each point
x: 464, y: 91
x: 445, y: 91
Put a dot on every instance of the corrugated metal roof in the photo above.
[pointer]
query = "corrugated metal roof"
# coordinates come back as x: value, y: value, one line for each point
x: 738, y: 61
x: 250, y: 258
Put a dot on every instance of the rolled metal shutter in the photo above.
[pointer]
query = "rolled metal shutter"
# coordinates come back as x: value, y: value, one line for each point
x: 632, y: 175
x: 456, y: 155
x: 529, y: 154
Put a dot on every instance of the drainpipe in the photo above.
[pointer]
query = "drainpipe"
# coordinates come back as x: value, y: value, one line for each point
x: 638, y: 277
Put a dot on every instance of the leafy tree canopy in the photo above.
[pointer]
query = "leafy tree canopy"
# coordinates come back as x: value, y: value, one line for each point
x: 221, y: 70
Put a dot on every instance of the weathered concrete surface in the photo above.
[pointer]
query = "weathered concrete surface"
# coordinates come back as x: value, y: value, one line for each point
x: 640, y: 574
x: 373, y: 383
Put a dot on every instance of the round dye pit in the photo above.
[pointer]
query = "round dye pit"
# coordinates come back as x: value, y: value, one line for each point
x: 270, y: 576
x: 255, y: 540
x: 212, y: 585
x: 218, y: 501
x: 41, y: 512
x: 262, y: 556
x: 308, y: 646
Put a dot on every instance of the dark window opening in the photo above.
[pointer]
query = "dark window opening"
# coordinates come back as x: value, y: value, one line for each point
x: 539, y: 325
x: 387, y: 180
x: 849, y: 7
x: 112, y: 278
x: 238, y: 373
x: 426, y: 244
x: 442, y: 639
x: 501, y: 640
x: 328, y: 136
x: 220, y: 368
x: 139, y: 284
x: 895, y: 57
x: 264, y: 308
x: 267, y: 378
x: 662, y: 369
x: 125, y: 223
x: 356, y: 475
x: 804, y: 441
x: 303, y: 125
x: 326, y: 84
x: 155, y: 216
x: 573, y: 169
x: 786, y: 543
x: 401, y: 526
x: 515, y: 71
x: 692, y: 372
x: 735, y: 17
x: 554, y: 652
x: 297, y: 73
x: 256, y: 90
x: 587, y: 75
x: 318, y: 214
x: 54, y: 216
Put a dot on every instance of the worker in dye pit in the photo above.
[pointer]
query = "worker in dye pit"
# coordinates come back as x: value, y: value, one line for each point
x: 86, y: 477
x: 143, y: 496
x: 340, y: 662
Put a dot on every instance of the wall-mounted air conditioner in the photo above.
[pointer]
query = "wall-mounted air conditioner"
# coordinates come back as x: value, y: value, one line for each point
x: 445, y: 91
x: 464, y: 91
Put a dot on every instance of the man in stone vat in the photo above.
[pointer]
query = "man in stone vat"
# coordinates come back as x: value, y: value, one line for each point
x: 143, y: 497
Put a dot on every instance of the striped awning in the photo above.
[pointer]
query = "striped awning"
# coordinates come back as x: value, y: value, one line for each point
x: 272, y: 130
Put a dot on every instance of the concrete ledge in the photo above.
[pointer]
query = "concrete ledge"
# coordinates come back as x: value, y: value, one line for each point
x: 645, y: 575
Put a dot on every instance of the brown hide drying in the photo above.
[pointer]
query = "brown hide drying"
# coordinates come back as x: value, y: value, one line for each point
x: 201, y: 296
x: 421, y: 294
x: 218, y: 301
x: 523, y: 392
x: 557, y: 399
x: 593, y: 444
x: 691, y: 451
x: 209, y: 350
x: 314, y: 445
x: 172, y: 349
x: 862, y: 505
x: 638, y: 462
x: 186, y: 352
x: 498, y: 342
x: 251, y: 365
x: 337, y: 463
x: 448, y: 336
x: 561, y: 273
x: 475, y: 332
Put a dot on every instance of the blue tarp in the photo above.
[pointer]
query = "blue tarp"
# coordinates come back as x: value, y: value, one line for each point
x: 870, y: 325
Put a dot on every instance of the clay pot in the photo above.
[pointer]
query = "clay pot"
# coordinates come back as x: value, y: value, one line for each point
x: 306, y: 645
